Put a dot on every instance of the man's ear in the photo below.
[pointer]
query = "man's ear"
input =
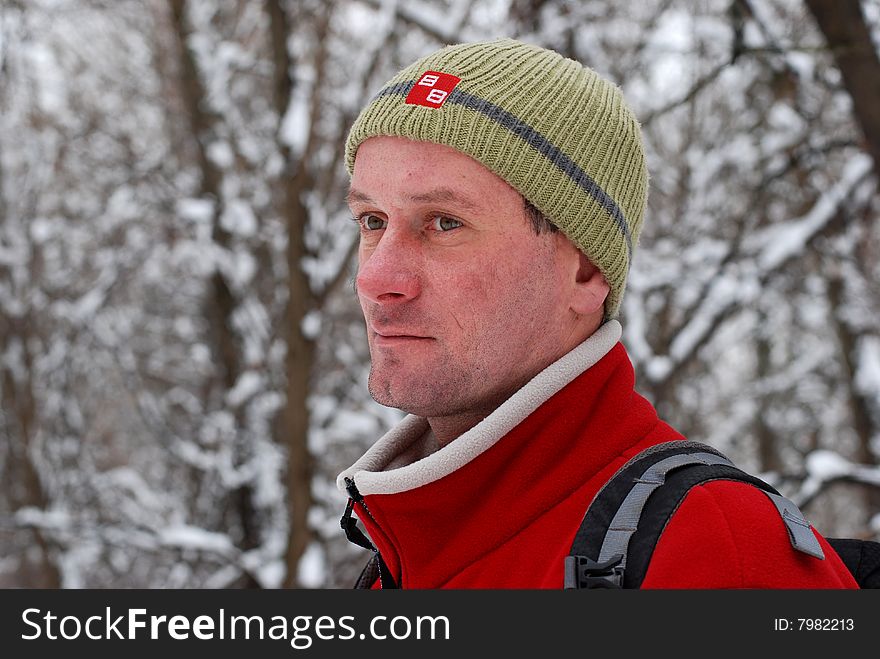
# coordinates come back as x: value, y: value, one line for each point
x: 590, y: 290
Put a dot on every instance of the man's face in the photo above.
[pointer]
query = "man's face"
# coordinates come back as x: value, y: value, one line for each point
x: 463, y: 302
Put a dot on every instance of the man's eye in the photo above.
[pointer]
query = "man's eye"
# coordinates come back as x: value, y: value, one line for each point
x: 372, y: 222
x: 443, y: 223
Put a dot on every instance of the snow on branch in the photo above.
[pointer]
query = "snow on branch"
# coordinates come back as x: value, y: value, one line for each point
x: 824, y: 468
x: 692, y: 93
x: 763, y: 254
x: 64, y: 529
x: 867, y: 376
x: 175, y: 536
x: 184, y: 536
x: 82, y: 310
x: 445, y: 26
x: 785, y: 240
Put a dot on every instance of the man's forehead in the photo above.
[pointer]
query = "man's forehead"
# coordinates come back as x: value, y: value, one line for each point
x: 423, y: 172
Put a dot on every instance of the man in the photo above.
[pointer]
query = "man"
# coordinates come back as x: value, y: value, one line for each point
x: 499, y: 190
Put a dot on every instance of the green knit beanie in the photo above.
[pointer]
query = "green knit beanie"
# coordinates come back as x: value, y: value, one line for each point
x: 553, y: 129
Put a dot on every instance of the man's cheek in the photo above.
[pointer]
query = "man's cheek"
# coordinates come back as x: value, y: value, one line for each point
x: 476, y: 287
x: 473, y: 305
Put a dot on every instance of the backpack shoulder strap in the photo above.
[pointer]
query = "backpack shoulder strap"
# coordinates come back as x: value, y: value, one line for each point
x: 861, y: 557
x: 369, y: 575
x: 617, y: 536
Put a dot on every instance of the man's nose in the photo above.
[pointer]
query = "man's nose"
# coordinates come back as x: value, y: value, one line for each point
x: 390, y: 272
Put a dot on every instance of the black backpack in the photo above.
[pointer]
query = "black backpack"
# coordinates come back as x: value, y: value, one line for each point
x: 613, y: 547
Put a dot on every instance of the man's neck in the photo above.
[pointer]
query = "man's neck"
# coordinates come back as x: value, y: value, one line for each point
x: 448, y: 428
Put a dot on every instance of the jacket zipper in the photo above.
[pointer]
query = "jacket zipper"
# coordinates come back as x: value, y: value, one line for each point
x: 356, y: 536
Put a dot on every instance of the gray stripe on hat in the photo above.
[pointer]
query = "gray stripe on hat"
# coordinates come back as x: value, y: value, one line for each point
x: 537, y: 141
x: 399, y: 88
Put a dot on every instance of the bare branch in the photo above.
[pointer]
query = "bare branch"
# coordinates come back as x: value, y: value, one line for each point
x: 772, y: 255
x: 692, y: 93
x: 429, y: 21
x: 337, y: 280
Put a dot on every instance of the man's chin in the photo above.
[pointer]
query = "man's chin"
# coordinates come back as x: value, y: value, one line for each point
x: 403, y: 397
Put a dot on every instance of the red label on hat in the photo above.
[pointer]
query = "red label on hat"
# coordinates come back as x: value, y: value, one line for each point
x: 432, y: 89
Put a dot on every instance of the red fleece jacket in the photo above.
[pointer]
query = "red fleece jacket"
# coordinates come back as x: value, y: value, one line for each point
x: 508, y: 516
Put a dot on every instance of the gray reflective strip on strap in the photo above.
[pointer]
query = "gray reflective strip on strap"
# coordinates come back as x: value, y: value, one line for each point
x: 626, y: 519
x: 625, y: 522
x: 799, y: 531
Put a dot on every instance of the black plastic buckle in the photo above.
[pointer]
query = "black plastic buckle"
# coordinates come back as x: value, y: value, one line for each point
x: 584, y: 572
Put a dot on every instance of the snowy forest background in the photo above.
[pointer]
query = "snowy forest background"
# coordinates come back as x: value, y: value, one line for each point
x: 182, y: 362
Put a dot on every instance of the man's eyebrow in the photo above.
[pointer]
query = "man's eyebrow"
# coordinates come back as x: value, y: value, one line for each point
x: 358, y: 196
x: 444, y: 195
x: 436, y: 196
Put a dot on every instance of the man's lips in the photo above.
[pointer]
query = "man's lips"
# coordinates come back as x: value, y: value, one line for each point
x: 388, y: 338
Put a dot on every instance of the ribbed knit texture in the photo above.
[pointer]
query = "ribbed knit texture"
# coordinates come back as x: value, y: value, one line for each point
x: 553, y: 129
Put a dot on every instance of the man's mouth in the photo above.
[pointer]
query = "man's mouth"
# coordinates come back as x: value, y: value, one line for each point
x: 397, y: 338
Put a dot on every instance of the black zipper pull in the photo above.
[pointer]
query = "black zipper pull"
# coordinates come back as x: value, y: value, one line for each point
x: 349, y: 523
x: 352, y: 490
x: 358, y: 537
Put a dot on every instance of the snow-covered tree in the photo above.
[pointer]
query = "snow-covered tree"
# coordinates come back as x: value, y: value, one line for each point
x: 182, y: 358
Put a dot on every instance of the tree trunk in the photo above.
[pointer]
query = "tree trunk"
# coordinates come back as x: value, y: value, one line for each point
x: 22, y: 485
x: 293, y: 429
x: 25, y: 491
x: 220, y: 303
x: 768, y: 452
x: 858, y: 404
x: 300, y: 357
x: 843, y: 24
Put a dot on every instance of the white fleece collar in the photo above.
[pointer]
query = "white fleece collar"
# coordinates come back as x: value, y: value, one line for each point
x: 368, y: 472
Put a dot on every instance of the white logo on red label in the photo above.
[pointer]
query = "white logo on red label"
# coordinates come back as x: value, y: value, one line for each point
x: 432, y: 89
